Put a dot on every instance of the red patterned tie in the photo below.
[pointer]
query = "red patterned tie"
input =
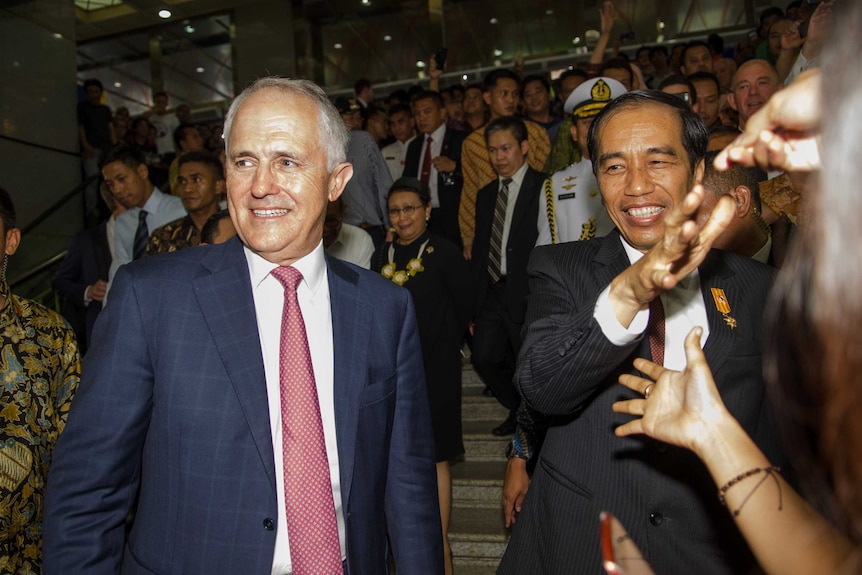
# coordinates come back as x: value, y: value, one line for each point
x: 655, y: 330
x: 310, y: 508
x: 425, y: 176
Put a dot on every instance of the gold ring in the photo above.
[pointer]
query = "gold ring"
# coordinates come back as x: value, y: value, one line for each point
x: 647, y: 390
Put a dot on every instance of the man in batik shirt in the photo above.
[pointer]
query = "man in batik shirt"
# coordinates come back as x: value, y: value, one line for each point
x: 39, y: 371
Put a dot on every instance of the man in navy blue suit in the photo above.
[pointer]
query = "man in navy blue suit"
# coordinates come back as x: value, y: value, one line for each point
x: 181, y: 404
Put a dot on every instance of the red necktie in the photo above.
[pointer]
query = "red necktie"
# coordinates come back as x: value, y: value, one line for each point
x: 655, y: 330
x: 426, y: 162
x: 309, y: 505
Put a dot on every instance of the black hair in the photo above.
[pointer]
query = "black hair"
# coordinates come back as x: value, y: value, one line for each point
x: 128, y: 155
x: 719, y: 183
x: 695, y: 136
x: 511, y: 123
x: 361, y: 84
x: 210, y: 228
x: 399, y: 107
x: 535, y: 78
x: 708, y: 76
x: 206, y: 158
x: 7, y: 211
x: 93, y: 82
x: 180, y: 134
x: 407, y: 184
x: 400, y: 96
x: 430, y: 95
x: 574, y: 72
x: 659, y: 48
x: 675, y: 79
x: 618, y: 64
x: 769, y: 12
x: 494, y: 76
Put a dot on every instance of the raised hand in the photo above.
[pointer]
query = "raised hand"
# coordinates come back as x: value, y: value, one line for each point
x: 784, y: 134
x: 680, y: 408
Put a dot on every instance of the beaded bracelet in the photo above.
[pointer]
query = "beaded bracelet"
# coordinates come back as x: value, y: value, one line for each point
x: 743, y: 476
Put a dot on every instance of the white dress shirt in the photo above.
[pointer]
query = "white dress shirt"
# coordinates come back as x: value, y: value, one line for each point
x: 394, y: 155
x: 436, y: 147
x: 684, y: 309
x: 514, y: 189
x: 313, y: 294
x: 353, y: 245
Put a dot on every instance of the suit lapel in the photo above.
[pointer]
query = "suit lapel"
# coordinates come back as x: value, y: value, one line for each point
x: 101, y: 251
x: 610, y: 259
x: 525, y: 197
x: 351, y: 335
x: 714, y: 273
x: 223, y: 290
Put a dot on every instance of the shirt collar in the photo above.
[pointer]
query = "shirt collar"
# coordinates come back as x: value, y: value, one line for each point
x: 517, y: 177
x: 312, y: 266
x: 152, y: 205
x: 437, y: 135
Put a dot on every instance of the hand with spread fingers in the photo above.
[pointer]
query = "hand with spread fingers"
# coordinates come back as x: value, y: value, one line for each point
x: 683, y: 247
x: 680, y: 408
x: 784, y: 134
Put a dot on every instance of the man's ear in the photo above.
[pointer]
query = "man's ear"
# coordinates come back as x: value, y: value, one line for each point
x: 742, y: 196
x: 13, y: 239
x: 338, y: 180
x: 698, y: 172
x: 732, y: 101
x: 143, y: 171
x: 525, y: 147
x: 487, y: 97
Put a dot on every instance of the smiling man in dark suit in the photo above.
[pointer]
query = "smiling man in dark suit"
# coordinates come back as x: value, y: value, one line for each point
x: 507, y: 210
x: 596, y: 305
x: 264, y: 404
x: 434, y: 158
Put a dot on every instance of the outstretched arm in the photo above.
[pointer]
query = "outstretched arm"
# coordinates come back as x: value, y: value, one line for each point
x: 786, y: 535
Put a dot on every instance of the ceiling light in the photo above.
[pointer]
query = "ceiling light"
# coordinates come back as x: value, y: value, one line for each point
x: 190, y: 29
x: 118, y: 84
x: 549, y: 12
x: 420, y: 64
x: 164, y: 14
x: 366, y: 2
x: 464, y: 77
x: 338, y: 46
x: 57, y: 35
x: 199, y: 69
x: 661, y: 25
x: 498, y: 52
x: 576, y: 40
x: 493, y: 20
x: 387, y: 38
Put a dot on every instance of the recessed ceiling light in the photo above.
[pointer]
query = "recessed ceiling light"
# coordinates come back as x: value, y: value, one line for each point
x: 549, y: 12
x: 387, y: 38
x: 164, y: 14
x: 366, y: 2
x: 464, y: 77
x: 576, y: 40
x: 190, y: 29
x: 420, y: 64
x: 661, y: 25
x: 338, y: 46
x: 199, y: 69
x: 118, y: 84
x: 57, y: 35
x: 498, y: 52
x: 493, y: 20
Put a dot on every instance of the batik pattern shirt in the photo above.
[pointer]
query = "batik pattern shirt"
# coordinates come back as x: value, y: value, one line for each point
x: 176, y: 235
x: 39, y: 369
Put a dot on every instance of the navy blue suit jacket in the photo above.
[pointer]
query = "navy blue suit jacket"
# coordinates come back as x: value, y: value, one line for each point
x: 173, y: 406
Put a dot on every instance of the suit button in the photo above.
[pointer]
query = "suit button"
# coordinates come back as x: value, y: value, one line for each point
x: 656, y: 518
x: 268, y: 524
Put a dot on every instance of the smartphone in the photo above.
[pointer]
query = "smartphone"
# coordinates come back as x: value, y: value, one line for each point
x: 440, y: 57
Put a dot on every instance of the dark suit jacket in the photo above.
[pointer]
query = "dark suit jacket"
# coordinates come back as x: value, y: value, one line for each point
x: 174, y: 403
x: 663, y: 495
x: 86, y: 262
x: 522, y: 238
x: 444, y: 220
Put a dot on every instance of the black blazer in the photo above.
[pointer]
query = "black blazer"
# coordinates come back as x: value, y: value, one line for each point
x: 663, y: 495
x: 86, y: 262
x: 444, y: 220
x: 522, y: 238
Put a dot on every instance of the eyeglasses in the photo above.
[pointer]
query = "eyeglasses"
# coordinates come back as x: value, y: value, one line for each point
x: 408, y: 211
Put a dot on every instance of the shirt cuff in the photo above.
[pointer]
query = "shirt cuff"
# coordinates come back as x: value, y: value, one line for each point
x: 616, y: 333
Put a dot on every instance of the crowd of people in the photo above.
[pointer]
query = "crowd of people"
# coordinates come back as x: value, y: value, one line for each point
x: 602, y: 242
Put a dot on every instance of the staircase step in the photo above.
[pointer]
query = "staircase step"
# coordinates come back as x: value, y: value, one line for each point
x: 475, y: 566
x: 477, y: 535
x: 469, y: 377
x: 480, y: 444
x: 478, y: 483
